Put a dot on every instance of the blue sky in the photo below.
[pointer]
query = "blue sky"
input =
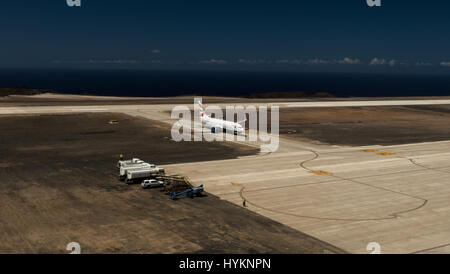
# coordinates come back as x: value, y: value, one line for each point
x: 292, y: 35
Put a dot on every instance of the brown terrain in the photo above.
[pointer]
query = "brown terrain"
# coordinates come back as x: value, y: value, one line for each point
x: 59, y: 185
x: 364, y: 126
x: 359, y: 126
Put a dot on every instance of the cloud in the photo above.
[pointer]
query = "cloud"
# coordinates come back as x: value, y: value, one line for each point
x: 156, y: 51
x: 445, y: 64
x: 117, y: 61
x: 317, y: 61
x: 423, y: 64
x: 380, y: 62
x: 393, y: 63
x: 93, y: 61
x: 254, y: 62
x: 349, y: 61
x: 376, y: 62
x: 282, y: 61
x: 286, y: 61
x: 214, y: 61
x: 296, y: 61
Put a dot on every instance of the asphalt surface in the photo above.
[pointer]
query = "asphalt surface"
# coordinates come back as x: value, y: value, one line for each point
x: 346, y: 195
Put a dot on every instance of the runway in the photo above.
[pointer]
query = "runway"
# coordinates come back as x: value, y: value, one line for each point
x: 399, y: 200
x: 397, y: 196
x: 165, y: 107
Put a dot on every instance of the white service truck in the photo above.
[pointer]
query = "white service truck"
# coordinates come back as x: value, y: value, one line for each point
x: 139, y: 174
x: 129, y: 162
x: 125, y: 168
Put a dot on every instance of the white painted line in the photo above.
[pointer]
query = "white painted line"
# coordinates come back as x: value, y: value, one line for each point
x: 364, y: 103
x: 89, y: 109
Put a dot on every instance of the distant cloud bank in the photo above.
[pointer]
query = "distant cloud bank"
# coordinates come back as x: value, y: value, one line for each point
x: 349, y: 61
x: 423, y: 64
x: 345, y: 61
x: 382, y: 62
x: 313, y: 61
x: 108, y: 62
x: 214, y: 61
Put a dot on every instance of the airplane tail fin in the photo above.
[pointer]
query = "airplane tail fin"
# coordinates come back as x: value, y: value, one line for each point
x: 202, y: 112
x: 200, y: 105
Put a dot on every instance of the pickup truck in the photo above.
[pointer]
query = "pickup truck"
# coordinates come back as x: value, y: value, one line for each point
x: 152, y: 183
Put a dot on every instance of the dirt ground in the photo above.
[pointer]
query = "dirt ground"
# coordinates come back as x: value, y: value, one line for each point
x: 359, y: 126
x: 58, y: 184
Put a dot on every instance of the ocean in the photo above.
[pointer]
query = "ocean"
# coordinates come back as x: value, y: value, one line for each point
x: 148, y: 83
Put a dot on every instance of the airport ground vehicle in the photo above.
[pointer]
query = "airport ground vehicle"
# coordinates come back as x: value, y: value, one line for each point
x: 139, y: 174
x: 189, y: 192
x: 152, y: 183
x: 129, y: 162
x: 128, y: 167
x: 136, y: 170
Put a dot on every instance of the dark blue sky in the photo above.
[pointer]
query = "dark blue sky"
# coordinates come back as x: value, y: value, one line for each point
x: 312, y: 35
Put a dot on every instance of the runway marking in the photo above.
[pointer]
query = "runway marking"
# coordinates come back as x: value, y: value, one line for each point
x: 386, y: 153
x: 320, y: 172
x: 241, y: 194
x: 316, y: 155
x: 431, y: 248
x: 409, y: 159
x: 363, y: 103
x: 378, y: 152
x: 425, y: 167
x: 88, y: 109
x: 332, y: 181
x: 393, y: 215
x: 369, y: 150
x: 417, y: 144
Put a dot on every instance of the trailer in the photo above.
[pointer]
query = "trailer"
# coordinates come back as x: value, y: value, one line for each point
x: 140, y: 174
x: 125, y: 168
x: 135, y: 169
x: 129, y: 162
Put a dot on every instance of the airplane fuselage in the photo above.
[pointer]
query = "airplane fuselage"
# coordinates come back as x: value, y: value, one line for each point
x: 217, y: 125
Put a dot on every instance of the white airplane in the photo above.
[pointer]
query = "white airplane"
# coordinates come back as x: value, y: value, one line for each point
x: 218, y: 125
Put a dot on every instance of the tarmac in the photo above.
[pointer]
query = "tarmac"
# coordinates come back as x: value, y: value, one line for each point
x: 397, y: 196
